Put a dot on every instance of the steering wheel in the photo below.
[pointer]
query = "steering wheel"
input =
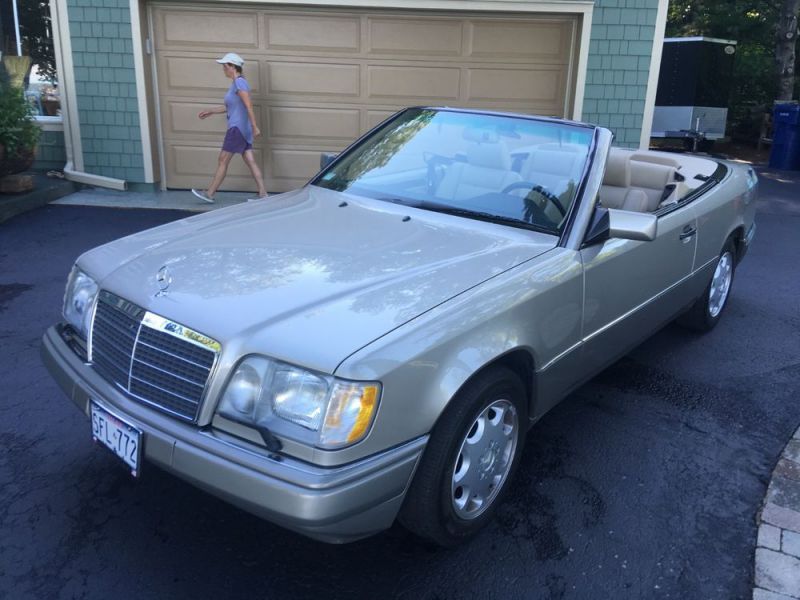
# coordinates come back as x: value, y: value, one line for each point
x: 539, y: 189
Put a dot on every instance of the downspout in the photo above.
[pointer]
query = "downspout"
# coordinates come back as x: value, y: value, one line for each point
x: 73, y: 169
x: 95, y: 180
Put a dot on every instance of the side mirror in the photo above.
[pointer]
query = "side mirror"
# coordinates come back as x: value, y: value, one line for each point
x: 621, y: 224
x: 629, y: 225
x: 326, y: 158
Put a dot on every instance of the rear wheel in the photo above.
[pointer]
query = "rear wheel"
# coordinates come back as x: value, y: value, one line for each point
x: 706, y: 312
x: 473, y: 451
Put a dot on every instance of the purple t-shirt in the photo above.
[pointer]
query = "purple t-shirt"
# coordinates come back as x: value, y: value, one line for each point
x: 237, y: 112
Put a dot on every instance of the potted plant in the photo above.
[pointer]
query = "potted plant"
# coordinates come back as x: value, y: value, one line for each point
x: 19, y: 133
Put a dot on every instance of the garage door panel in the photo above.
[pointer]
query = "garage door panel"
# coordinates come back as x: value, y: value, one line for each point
x: 512, y: 39
x: 313, y: 123
x: 198, y: 29
x: 184, y: 120
x: 439, y: 83
x: 294, y: 165
x: 323, y: 76
x: 316, y: 79
x: 200, y: 75
x: 415, y: 37
x: 306, y: 33
x: 193, y: 165
x: 516, y: 84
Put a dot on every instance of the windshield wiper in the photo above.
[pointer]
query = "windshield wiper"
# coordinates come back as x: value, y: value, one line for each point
x: 402, y: 201
x: 336, y: 183
x: 484, y: 216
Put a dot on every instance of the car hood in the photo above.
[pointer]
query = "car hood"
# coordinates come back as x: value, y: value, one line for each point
x: 309, y: 276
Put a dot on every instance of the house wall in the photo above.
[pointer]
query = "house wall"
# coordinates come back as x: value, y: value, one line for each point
x: 619, y: 61
x: 619, y: 66
x: 50, y: 152
x: 105, y: 85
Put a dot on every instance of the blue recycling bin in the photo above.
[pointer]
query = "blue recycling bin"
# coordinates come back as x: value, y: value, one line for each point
x: 785, y: 153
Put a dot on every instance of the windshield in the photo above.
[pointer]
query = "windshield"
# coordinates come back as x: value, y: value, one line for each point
x: 511, y: 170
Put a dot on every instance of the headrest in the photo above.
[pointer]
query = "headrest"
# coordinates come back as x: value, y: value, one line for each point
x: 618, y: 169
x: 489, y: 156
x: 551, y: 162
x: 559, y: 147
x: 482, y: 136
x: 651, y: 175
x: 659, y: 159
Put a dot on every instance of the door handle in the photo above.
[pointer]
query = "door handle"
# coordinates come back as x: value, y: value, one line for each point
x: 688, y: 232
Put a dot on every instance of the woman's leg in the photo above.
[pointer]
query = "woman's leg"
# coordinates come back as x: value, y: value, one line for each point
x: 222, y: 170
x: 252, y: 164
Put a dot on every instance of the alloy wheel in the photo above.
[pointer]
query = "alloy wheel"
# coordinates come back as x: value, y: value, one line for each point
x: 484, y: 459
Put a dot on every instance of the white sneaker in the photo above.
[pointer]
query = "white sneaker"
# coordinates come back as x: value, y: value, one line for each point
x: 264, y: 197
x: 203, y: 196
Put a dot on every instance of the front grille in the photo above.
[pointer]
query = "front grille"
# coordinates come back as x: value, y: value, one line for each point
x: 156, y: 366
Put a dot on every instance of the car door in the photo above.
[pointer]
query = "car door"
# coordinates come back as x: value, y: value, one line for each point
x: 632, y: 288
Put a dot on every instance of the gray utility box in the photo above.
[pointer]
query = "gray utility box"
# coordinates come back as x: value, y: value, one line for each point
x: 694, y: 85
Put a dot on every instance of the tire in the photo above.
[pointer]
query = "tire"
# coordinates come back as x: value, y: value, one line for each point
x: 707, y: 310
x: 471, y: 456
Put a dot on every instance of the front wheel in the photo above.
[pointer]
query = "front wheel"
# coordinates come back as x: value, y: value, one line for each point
x: 473, y: 451
x: 705, y: 313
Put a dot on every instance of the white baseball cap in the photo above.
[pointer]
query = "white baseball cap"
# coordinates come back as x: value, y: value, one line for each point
x: 232, y: 58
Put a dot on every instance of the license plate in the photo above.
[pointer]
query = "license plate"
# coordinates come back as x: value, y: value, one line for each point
x: 122, y: 439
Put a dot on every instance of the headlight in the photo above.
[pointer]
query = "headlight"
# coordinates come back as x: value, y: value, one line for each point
x: 79, y: 299
x: 321, y: 410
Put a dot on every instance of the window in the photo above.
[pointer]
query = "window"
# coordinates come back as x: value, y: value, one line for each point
x: 28, y: 55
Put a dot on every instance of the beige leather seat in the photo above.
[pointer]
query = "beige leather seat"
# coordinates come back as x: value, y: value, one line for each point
x: 487, y: 168
x: 616, y: 192
x: 652, y: 179
x: 635, y: 185
x: 552, y: 166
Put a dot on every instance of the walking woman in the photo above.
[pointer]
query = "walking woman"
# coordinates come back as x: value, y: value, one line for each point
x: 242, y: 128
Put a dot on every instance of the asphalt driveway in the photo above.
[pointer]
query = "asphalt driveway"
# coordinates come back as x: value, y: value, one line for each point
x: 645, y: 483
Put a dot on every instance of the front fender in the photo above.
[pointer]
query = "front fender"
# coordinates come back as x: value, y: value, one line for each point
x: 534, y: 308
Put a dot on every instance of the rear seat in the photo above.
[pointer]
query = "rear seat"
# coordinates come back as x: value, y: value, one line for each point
x: 634, y: 182
x: 653, y: 180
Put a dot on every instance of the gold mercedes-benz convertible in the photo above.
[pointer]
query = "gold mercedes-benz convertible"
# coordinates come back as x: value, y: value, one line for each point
x: 376, y: 345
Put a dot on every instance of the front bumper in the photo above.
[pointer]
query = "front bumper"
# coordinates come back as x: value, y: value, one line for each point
x: 338, y: 504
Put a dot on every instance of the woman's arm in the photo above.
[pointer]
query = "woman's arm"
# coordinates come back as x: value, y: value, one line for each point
x: 217, y: 110
x: 245, y: 96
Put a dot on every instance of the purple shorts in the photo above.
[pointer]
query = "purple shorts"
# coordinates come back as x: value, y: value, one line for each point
x: 234, y: 142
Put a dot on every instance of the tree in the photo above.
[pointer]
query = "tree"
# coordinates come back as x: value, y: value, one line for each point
x: 786, y: 42
x: 751, y: 23
x: 36, y: 30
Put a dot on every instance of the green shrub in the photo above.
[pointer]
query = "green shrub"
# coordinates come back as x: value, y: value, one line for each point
x: 19, y: 133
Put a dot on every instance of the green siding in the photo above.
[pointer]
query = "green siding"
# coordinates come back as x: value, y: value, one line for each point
x: 619, y: 66
x: 50, y: 153
x: 105, y: 83
x: 616, y: 80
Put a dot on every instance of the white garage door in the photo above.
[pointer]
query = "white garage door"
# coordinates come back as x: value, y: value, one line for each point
x: 322, y: 77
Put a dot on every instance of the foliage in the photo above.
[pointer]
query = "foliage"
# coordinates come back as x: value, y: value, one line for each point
x: 751, y: 23
x: 36, y: 29
x: 386, y: 146
x: 36, y: 35
x: 19, y: 133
